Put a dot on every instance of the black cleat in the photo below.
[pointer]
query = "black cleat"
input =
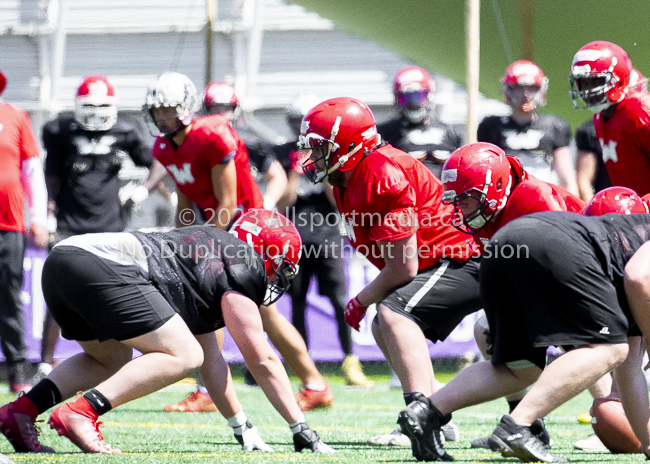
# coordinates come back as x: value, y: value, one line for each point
x: 422, y: 423
x: 306, y: 438
x: 530, y: 444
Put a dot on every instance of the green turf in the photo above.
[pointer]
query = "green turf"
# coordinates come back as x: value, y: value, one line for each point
x: 148, y: 435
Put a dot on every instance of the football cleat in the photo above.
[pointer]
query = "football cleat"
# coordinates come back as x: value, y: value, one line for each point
x: 196, y: 402
x: 421, y: 422
x: 81, y: 430
x: 394, y: 438
x: 514, y: 440
x: 309, y: 399
x: 21, y: 430
x: 353, y: 372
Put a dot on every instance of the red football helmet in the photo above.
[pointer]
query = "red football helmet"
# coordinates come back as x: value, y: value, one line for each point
x: 479, y: 173
x: 619, y: 200
x: 3, y: 82
x: 277, y: 241
x: 600, y: 75
x: 95, y: 108
x: 220, y: 95
x: 413, y: 90
x: 524, y: 73
x: 345, y: 127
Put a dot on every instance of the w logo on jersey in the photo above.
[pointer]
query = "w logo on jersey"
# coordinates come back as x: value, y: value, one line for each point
x: 183, y: 176
x: 609, y: 151
x: 101, y: 146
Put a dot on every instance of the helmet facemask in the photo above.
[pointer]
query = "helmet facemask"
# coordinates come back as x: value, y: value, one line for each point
x: 415, y: 106
x: 95, y: 117
x: 593, y: 89
x: 282, y: 271
x: 485, y: 211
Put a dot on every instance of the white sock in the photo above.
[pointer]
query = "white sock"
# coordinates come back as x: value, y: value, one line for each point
x: 238, y: 419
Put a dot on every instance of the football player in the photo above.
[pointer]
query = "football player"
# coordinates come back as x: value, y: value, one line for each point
x: 209, y: 163
x: 489, y: 189
x: 415, y: 130
x: 551, y: 279
x: 390, y: 205
x: 313, y: 204
x: 181, y: 286
x: 591, y: 172
x: 541, y: 141
x: 220, y: 98
x: 84, y: 156
x: 600, y: 80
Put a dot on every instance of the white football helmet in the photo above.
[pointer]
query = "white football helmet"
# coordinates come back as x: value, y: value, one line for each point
x: 95, y: 103
x: 298, y: 108
x: 172, y: 89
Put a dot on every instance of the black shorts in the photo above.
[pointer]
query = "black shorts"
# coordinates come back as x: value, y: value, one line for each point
x: 542, y: 287
x: 439, y: 297
x: 96, y: 299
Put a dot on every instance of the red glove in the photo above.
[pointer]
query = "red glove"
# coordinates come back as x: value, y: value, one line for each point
x: 296, y: 158
x: 354, y: 312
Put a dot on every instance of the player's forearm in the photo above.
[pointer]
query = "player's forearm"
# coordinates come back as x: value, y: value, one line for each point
x: 387, y: 279
x: 33, y: 182
x: 290, y: 194
x: 223, y: 216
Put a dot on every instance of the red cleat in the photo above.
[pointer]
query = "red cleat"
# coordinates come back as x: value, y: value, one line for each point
x: 196, y: 402
x: 81, y: 430
x: 21, y: 431
x: 313, y: 399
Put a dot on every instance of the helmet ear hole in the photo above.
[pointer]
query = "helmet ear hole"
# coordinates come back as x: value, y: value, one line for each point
x: 499, y: 182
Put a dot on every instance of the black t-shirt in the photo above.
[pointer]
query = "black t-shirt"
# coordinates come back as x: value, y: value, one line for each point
x: 613, y: 237
x: 260, y: 152
x: 313, y: 215
x: 586, y: 140
x: 536, y: 139
x: 87, y: 164
x: 194, y: 266
x: 435, y: 140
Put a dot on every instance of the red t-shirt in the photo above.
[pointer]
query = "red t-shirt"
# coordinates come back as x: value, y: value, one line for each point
x: 210, y: 142
x: 392, y: 196
x: 625, y: 140
x: 17, y: 144
x: 530, y: 195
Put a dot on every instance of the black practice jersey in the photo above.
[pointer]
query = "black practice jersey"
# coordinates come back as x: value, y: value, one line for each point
x: 613, y: 237
x: 260, y: 152
x: 313, y: 215
x: 434, y: 141
x: 86, y: 164
x: 586, y: 140
x: 535, y: 139
x: 194, y: 266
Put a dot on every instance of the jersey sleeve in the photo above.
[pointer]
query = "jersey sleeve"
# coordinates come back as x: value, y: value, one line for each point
x: 586, y: 138
x: 222, y: 146
x: 28, y: 146
x: 641, y: 131
x: 562, y: 133
x: 392, y: 200
x: 453, y: 137
x: 139, y: 152
x: 51, y: 136
x: 486, y: 131
x: 249, y: 279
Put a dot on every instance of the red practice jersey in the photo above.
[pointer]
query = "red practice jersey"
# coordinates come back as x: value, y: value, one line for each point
x: 392, y: 196
x: 530, y: 195
x: 17, y: 144
x: 625, y: 140
x: 210, y: 142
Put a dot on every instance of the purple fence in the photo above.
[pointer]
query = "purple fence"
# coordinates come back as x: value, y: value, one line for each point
x: 323, y: 336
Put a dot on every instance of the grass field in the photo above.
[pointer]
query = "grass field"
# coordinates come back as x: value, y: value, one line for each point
x: 148, y: 435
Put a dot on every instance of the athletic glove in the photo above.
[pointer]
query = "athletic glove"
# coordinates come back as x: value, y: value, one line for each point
x: 249, y: 438
x: 134, y: 193
x: 306, y: 438
x: 354, y: 312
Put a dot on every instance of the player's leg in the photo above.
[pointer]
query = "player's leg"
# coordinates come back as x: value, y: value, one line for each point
x: 316, y: 392
x: 244, y: 323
